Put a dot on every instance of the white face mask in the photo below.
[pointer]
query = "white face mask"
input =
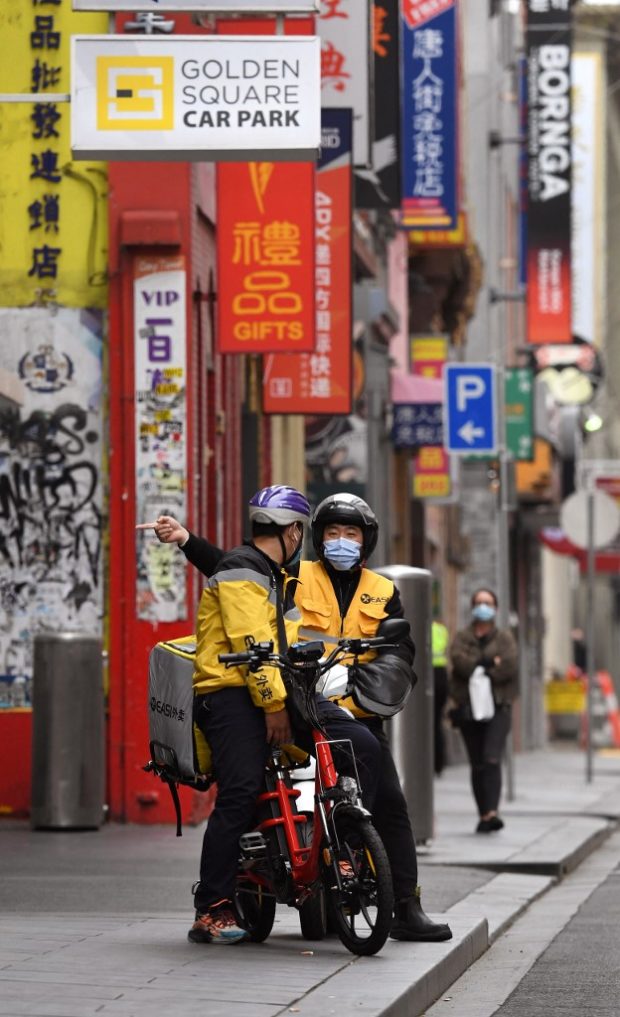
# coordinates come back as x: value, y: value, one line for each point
x: 483, y: 612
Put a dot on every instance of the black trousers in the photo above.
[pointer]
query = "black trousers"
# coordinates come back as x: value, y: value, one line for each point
x: 440, y: 681
x: 485, y: 741
x: 391, y: 819
x: 235, y: 730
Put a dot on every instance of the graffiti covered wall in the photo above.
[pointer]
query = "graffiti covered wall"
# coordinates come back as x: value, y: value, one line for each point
x: 50, y: 485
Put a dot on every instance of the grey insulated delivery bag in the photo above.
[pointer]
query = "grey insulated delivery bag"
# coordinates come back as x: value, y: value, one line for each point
x: 179, y: 752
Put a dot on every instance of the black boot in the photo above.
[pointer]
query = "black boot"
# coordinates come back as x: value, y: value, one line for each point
x: 411, y: 923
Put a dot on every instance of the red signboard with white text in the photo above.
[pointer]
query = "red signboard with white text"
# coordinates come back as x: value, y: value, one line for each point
x: 419, y: 12
x: 265, y: 251
x: 321, y: 382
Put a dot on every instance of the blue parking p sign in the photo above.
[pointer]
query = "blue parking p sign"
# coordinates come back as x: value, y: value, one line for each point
x: 469, y: 408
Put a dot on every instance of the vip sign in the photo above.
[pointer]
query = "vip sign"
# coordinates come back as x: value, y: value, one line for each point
x: 265, y: 234
x: 161, y: 429
x: 209, y: 98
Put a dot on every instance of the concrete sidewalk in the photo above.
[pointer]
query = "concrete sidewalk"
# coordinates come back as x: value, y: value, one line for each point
x: 95, y: 923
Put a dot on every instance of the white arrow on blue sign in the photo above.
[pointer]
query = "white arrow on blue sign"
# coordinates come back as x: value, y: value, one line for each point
x: 470, y: 408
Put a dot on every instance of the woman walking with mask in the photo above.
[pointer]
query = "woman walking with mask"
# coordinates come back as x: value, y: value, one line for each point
x: 482, y: 644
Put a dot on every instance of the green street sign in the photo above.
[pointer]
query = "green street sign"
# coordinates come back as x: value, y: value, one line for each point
x: 519, y: 412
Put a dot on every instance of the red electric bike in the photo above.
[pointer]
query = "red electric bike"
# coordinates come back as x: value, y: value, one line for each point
x: 332, y: 866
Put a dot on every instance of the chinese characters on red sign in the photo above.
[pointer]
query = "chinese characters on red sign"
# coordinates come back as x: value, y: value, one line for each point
x: 431, y: 478
x: 320, y: 382
x: 265, y: 257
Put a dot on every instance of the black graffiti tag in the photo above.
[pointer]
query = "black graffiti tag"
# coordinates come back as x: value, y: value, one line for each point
x: 47, y: 490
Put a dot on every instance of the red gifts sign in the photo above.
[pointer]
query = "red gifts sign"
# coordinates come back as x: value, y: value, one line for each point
x: 321, y: 382
x: 265, y: 254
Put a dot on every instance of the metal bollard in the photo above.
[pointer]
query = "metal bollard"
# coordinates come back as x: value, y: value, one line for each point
x: 410, y: 732
x: 68, y: 777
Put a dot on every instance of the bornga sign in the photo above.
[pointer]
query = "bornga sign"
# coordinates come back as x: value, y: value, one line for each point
x: 549, y: 99
x: 210, y: 98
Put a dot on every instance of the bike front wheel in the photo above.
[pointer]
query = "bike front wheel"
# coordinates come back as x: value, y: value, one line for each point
x: 256, y: 907
x: 358, y: 885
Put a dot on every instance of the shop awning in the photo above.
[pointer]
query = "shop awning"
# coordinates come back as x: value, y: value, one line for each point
x: 607, y: 561
x: 415, y: 388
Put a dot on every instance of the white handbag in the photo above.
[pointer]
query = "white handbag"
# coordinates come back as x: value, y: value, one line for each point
x: 481, y: 695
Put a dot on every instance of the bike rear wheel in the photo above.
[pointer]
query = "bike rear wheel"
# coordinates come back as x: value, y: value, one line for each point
x: 361, y: 907
x: 256, y: 907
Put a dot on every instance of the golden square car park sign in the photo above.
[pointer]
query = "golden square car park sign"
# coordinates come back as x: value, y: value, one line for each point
x: 196, y: 97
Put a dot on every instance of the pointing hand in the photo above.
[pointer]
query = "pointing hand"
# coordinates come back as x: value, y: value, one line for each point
x: 167, y: 529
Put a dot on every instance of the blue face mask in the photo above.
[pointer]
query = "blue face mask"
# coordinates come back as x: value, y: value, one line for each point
x: 343, y: 554
x: 483, y: 612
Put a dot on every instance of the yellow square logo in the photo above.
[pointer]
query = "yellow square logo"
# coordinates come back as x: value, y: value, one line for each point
x: 135, y: 93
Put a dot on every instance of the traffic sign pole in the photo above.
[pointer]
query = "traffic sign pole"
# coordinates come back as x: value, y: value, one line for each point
x: 590, y: 634
x: 503, y: 544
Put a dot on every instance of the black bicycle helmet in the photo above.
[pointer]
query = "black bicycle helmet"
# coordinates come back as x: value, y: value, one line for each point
x: 345, y: 508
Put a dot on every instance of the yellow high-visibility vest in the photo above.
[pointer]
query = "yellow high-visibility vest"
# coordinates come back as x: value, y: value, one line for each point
x: 439, y: 642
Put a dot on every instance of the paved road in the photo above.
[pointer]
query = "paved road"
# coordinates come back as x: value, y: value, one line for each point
x: 579, y: 974
x: 137, y: 869
x: 95, y: 923
x: 560, y: 959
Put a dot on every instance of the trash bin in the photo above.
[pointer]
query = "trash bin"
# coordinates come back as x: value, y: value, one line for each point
x: 67, y: 732
x: 411, y: 731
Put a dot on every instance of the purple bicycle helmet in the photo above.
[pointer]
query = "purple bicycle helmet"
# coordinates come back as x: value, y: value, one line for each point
x: 345, y: 508
x: 279, y: 504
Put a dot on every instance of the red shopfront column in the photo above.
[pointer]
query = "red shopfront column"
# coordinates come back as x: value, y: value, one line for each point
x: 152, y: 398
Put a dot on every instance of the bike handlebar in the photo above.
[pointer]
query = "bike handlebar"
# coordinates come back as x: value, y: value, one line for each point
x: 234, y: 658
x: 262, y: 653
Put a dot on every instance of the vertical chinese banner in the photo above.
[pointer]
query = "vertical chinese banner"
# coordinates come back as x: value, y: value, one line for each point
x: 53, y: 301
x: 379, y: 185
x: 265, y: 255
x: 345, y: 30
x: 161, y: 430
x: 53, y: 226
x: 321, y: 382
x: 548, y: 45
x: 431, y: 464
x: 429, y: 104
